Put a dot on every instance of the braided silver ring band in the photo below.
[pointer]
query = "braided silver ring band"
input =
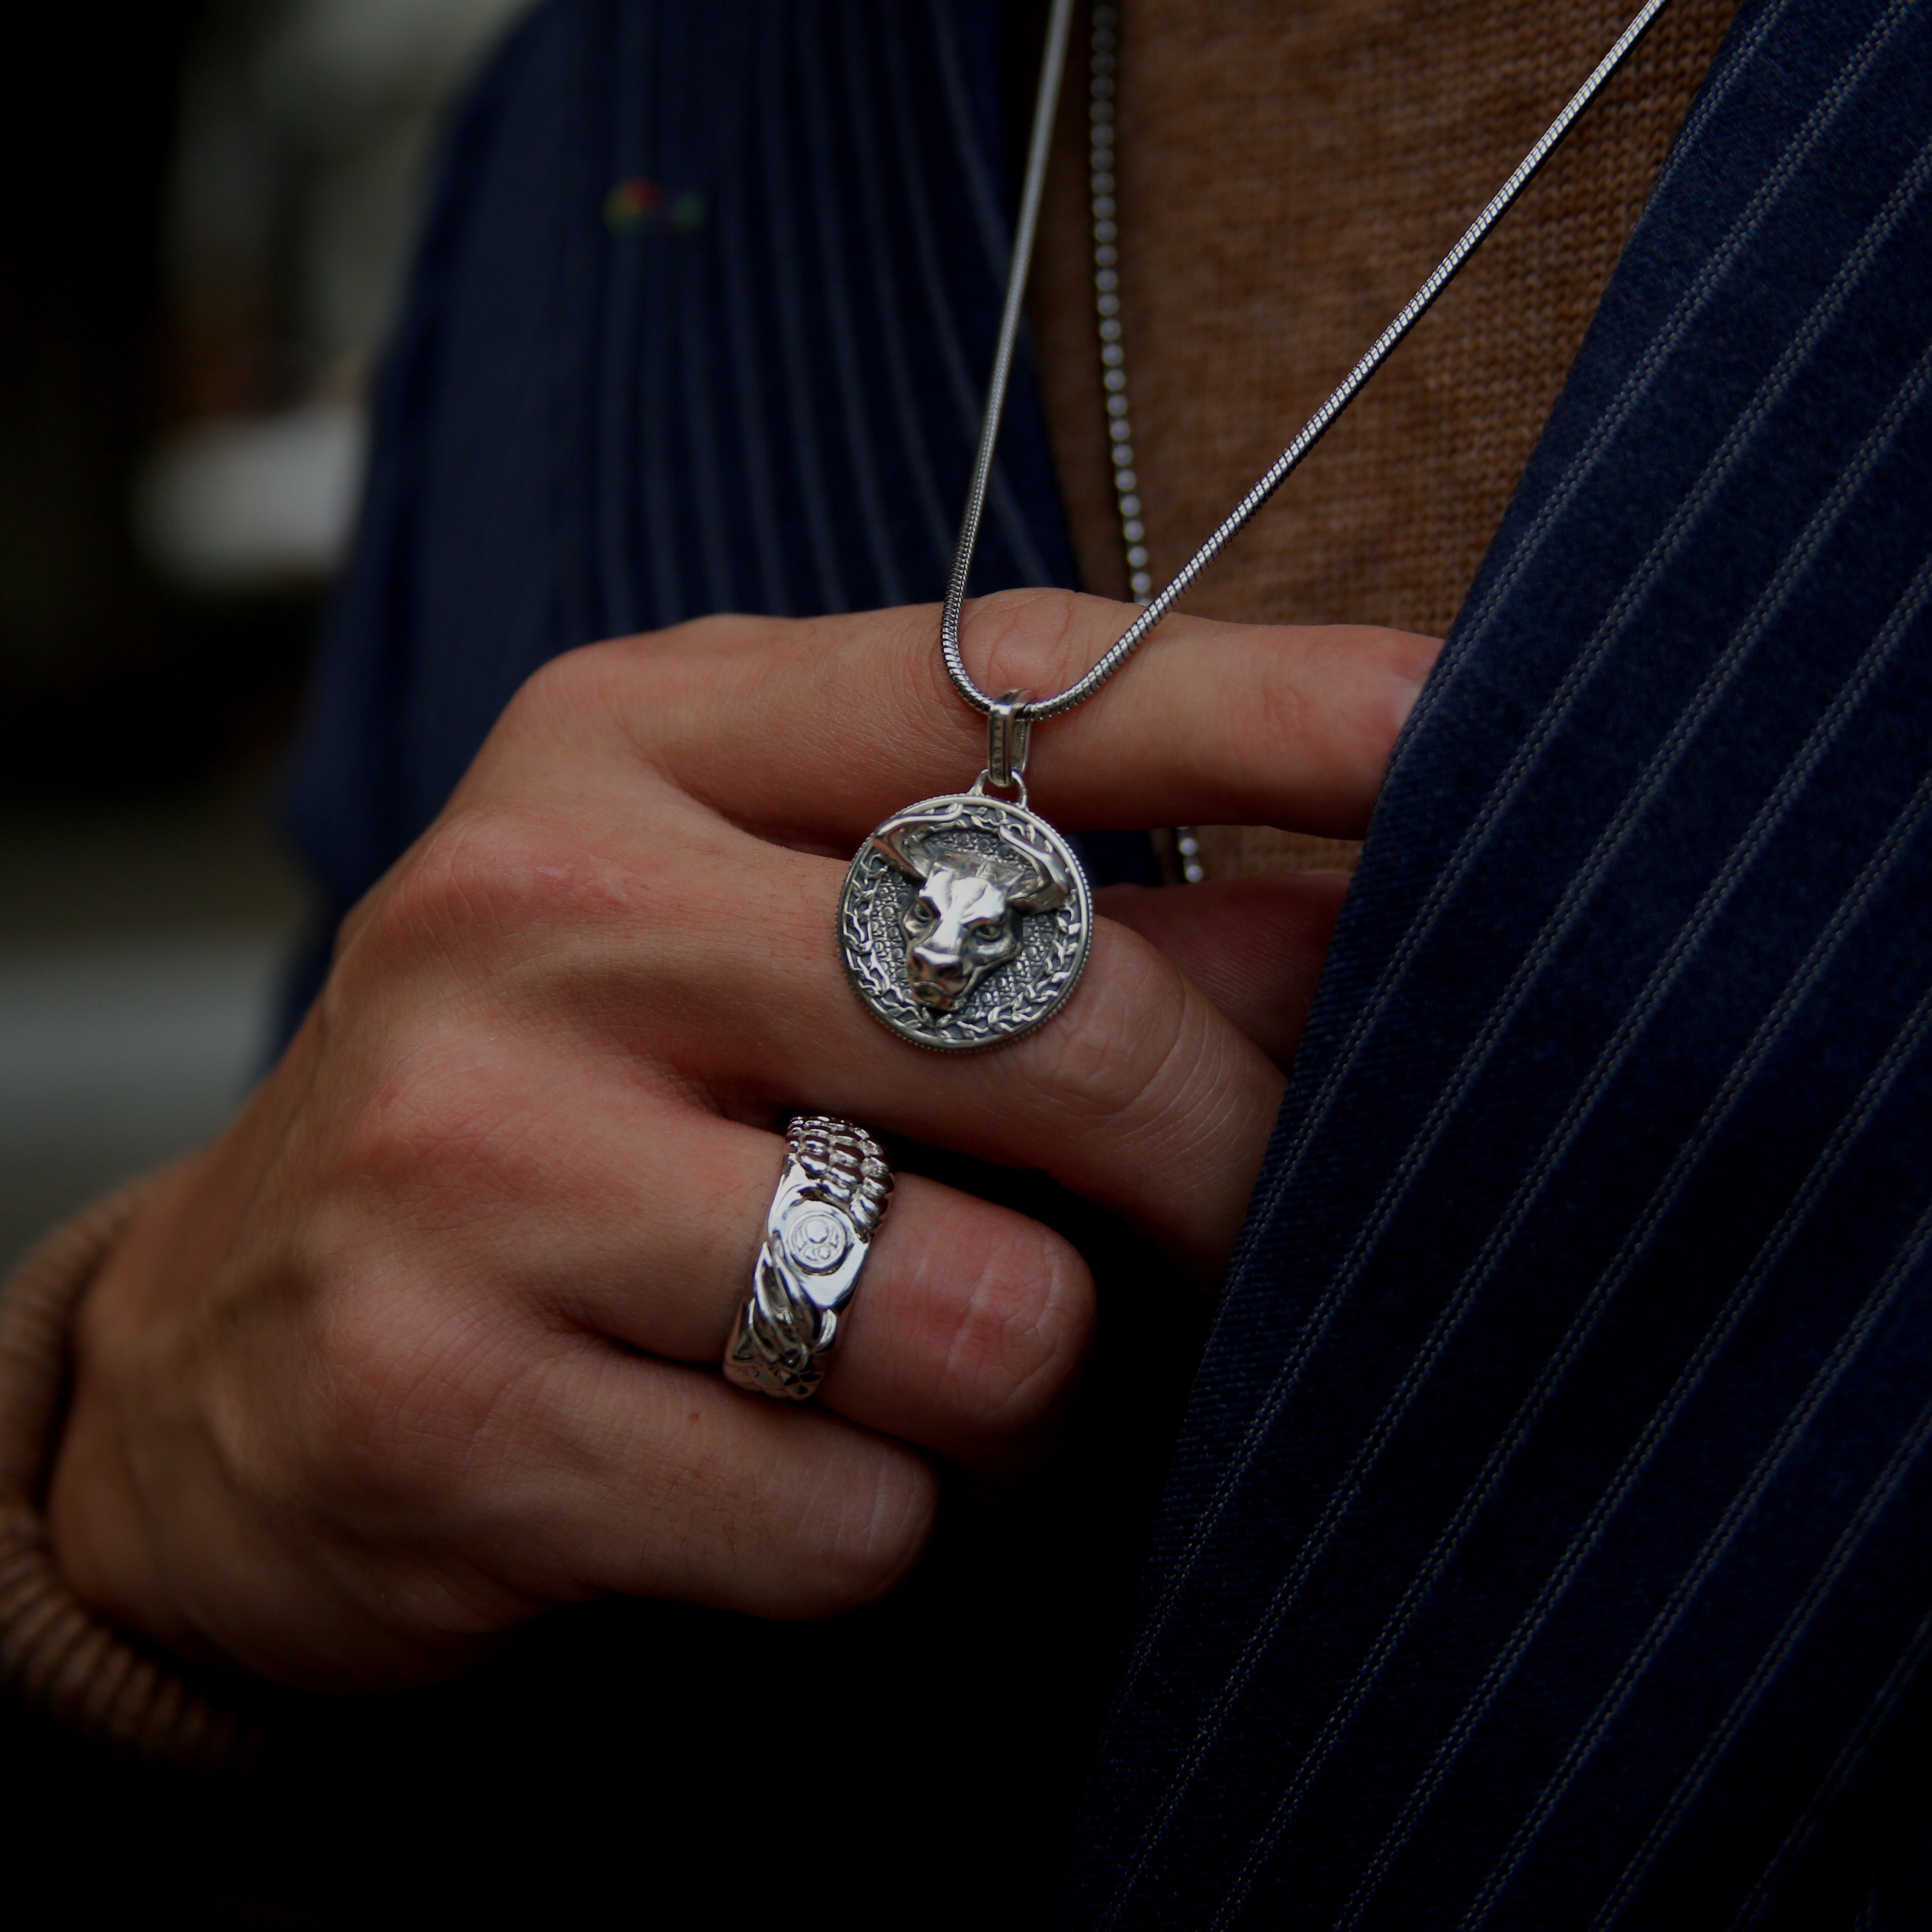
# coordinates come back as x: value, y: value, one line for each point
x: 818, y: 1232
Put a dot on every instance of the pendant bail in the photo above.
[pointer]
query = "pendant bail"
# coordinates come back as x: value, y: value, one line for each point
x: 1008, y: 738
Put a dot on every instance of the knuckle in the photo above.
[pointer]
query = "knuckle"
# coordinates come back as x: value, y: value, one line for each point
x: 704, y: 637
x: 562, y: 687
x: 1031, y: 640
x: 1280, y: 693
x: 436, y: 1133
x: 408, y: 1400
x: 652, y: 687
x: 651, y: 694
x: 1133, y: 1026
x: 596, y: 686
x: 573, y: 703
x: 488, y: 873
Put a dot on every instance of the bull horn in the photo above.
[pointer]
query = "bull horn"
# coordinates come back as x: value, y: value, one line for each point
x: 1049, y: 893
x: 901, y: 842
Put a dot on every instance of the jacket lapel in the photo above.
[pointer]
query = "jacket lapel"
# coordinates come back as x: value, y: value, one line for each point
x: 1547, y: 1545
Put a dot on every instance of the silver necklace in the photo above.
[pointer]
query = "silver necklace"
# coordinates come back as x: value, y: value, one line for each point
x: 965, y: 919
x: 1103, y: 207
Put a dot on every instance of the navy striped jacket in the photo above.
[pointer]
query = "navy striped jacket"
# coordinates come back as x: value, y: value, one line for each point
x: 1549, y: 1540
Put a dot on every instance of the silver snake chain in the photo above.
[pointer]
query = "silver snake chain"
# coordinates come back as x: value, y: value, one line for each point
x: 1106, y: 280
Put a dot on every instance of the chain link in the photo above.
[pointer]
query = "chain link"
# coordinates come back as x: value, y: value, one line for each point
x: 1103, y: 204
x: 1101, y: 122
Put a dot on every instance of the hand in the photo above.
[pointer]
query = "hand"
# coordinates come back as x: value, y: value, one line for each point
x: 402, y: 1359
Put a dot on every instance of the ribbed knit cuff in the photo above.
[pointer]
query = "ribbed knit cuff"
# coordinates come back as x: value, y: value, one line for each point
x: 57, y: 1657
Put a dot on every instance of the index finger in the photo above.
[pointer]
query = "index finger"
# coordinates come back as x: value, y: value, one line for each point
x: 815, y: 729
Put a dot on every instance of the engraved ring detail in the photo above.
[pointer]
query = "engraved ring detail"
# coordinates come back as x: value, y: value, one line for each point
x: 818, y: 1232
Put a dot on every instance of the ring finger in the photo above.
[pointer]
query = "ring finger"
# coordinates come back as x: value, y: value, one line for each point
x: 966, y: 1330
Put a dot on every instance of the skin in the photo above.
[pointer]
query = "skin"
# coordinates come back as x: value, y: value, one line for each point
x: 424, y: 1345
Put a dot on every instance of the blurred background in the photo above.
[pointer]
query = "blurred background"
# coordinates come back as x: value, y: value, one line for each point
x: 212, y: 202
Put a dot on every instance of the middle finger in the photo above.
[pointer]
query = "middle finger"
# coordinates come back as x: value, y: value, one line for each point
x: 969, y: 1322
x: 1140, y: 1096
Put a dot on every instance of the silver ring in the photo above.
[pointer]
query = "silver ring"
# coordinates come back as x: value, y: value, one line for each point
x: 818, y: 1232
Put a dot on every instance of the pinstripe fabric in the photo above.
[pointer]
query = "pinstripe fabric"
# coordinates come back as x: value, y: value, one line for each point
x: 1547, y: 1546
x: 585, y: 431
x: 1550, y: 1541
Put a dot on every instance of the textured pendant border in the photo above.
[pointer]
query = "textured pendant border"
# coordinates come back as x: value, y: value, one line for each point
x: 1006, y: 1006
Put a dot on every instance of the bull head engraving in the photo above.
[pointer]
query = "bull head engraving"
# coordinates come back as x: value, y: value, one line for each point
x: 964, y: 918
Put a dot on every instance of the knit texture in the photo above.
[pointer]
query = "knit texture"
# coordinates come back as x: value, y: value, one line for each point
x: 1287, y: 177
x: 57, y: 1658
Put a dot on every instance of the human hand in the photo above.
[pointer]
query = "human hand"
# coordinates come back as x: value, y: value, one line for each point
x: 407, y: 1355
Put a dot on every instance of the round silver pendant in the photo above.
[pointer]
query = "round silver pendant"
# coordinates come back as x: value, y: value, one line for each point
x: 965, y: 921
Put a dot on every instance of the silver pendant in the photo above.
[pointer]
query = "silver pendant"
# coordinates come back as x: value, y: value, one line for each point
x: 966, y: 919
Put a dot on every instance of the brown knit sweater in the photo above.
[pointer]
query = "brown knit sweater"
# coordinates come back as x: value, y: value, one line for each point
x: 1287, y: 177
x: 60, y: 1659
